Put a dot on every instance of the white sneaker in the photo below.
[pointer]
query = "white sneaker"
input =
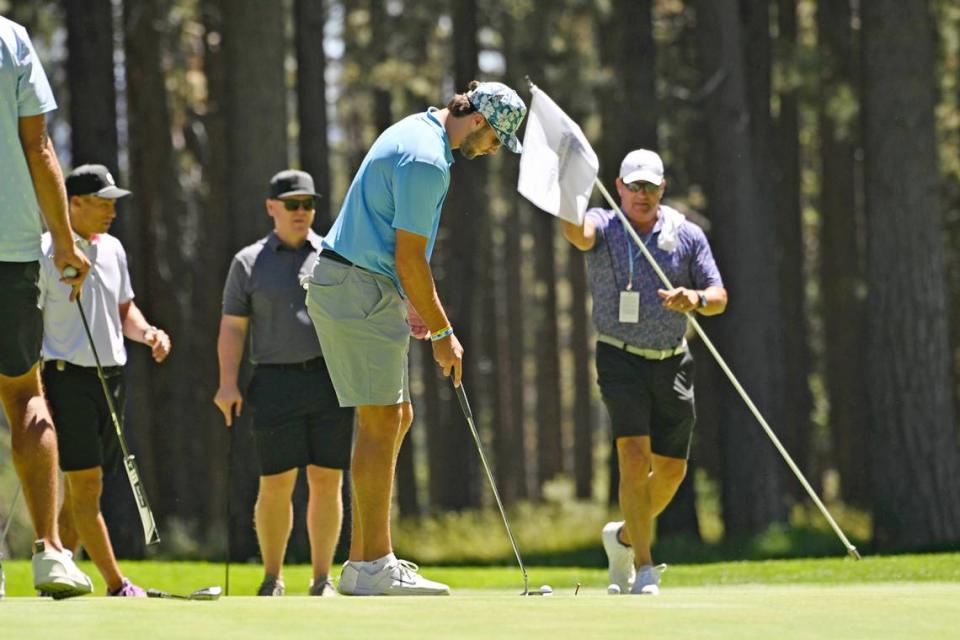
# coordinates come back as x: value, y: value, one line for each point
x: 398, y: 578
x: 347, y: 584
x: 55, y: 573
x: 648, y: 580
x: 620, y: 559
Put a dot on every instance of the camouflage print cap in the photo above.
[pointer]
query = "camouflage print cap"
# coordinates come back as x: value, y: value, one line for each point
x: 503, y: 110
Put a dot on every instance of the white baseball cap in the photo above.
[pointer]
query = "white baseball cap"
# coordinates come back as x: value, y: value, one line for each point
x: 642, y: 164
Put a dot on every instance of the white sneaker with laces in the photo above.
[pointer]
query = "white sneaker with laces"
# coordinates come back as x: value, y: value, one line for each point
x: 620, y: 559
x: 648, y: 580
x: 398, y: 578
x: 347, y: 584
x: 55, y: 573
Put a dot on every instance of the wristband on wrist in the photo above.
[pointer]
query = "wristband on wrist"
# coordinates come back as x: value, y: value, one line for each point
x: 443, y: 333
x: 703, y: 299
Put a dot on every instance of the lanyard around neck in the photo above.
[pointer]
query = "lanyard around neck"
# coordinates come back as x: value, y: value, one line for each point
x: 630, y: 256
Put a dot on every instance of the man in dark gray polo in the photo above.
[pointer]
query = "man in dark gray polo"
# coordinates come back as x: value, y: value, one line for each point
x: 297, y: 421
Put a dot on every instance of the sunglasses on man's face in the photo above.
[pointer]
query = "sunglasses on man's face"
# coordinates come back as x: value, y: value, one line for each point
x: 640, y: 185
x: 292, y: 204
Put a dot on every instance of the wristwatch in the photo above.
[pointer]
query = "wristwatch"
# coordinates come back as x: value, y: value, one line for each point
x: 703, y: 299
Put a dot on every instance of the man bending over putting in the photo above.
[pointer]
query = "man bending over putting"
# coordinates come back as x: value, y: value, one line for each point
x: 377, y: 254
x: 86, y: 436
x: 644, y: 368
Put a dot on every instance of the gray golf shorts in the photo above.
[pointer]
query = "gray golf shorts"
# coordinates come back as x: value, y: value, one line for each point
x: 361, y: 322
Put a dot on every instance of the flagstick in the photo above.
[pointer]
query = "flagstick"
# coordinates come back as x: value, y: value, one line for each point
x: 852, y: 550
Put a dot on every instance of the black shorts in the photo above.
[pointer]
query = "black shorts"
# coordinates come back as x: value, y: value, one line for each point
x: 21, y: 321
x: 86, y: 437
x: 297, y: 420
x: 649, y: 398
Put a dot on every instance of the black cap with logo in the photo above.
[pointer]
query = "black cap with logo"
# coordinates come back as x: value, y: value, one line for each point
x: 292, y: 183
x: 93, y: 180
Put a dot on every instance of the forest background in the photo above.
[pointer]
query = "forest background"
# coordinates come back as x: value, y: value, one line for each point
x: 817, y: 142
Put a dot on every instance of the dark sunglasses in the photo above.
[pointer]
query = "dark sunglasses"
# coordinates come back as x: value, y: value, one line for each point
x: 307, y: 205
x: 639, y: 185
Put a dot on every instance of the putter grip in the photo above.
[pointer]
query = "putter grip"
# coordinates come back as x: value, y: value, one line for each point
x: 464, y: 403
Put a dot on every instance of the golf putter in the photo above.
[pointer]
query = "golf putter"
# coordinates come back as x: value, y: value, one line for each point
x: 233, y: 427
x: 468, y: 414
x: 207, y: 593
x: 150, y: 533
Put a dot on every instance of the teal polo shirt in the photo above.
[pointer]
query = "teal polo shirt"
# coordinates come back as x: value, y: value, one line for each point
x: 24, y: 91
x: 401, y: 184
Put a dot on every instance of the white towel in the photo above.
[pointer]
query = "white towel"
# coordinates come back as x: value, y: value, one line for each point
x: 670, y: 221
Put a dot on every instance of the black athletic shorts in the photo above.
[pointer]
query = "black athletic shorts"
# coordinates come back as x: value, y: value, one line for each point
x: 86, y: 437
x: 297, y: 420
x: 21, y: 321
x: 649, y: 398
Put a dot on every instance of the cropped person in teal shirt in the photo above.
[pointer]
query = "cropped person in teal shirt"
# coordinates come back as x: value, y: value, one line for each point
x: 377, y: 254
x: 31, y: 186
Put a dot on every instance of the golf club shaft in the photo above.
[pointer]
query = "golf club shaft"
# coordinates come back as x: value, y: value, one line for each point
x: 851, y: 550
x: 13, y: 508
x: 151, y: 535
x: 231, y: 429
x: 468, y: 414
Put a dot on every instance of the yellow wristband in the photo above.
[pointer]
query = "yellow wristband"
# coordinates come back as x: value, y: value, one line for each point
x: 443, y: 333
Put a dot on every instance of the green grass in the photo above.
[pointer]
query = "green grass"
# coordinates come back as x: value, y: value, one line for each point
x: 912, y: 596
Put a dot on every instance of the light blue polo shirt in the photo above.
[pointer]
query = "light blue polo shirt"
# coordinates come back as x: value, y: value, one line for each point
x: 24, y: 91
x: 401, y: 184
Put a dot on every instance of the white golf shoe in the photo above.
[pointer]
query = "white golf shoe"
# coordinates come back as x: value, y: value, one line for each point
x: 620, y: 559
x: 397, y: 578
x: 648, y: 580
x: 347, y: 583
x: 55, y: 573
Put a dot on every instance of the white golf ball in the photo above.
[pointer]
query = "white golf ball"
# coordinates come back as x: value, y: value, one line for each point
x: 546, y: 590
x: 613, y: 590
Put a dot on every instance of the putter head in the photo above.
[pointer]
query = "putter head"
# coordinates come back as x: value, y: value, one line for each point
x: 207, y: 593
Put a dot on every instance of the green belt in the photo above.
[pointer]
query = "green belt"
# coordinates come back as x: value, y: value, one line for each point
x: 649, y: 354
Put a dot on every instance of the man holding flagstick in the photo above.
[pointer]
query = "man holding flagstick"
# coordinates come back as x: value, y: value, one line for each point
x: 637, y: 311
x: 644, y: 368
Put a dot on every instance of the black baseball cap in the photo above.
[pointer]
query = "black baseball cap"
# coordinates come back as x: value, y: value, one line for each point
x: 292, y: 183
x: 94, y: 180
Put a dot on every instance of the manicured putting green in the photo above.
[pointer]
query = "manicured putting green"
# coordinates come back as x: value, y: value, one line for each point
x: 907, y: 610
x: 895, y: 597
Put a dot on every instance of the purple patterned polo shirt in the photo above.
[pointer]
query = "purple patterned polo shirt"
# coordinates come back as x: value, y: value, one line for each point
x: 690, y: 264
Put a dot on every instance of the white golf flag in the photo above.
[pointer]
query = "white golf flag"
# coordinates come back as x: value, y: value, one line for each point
x: 558, y: 166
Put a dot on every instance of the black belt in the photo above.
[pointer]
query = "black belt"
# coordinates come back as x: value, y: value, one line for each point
x: 307, y: 365
x: 336, y: 257
x: 63, y: 365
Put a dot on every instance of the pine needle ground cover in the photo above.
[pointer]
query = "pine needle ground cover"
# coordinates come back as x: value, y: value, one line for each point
x: 879, y: 597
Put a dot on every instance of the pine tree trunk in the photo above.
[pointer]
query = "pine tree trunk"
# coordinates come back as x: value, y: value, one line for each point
x: 584, y: 377
x: 463, y: 220
x: 510, y: 434
x: 163, y: 427
x: 748, y: 331
x: 841, y: 251
x: 797, y: 427
x: 915, y: 473
x: 628, y: 106
x: 93, y: 96
x: 309, y: 19
x: 255, y: 118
